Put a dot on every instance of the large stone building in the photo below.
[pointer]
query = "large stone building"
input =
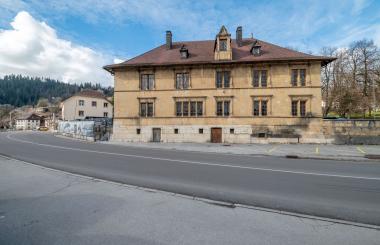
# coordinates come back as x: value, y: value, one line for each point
x: 87, y: 104
x: 224, y: 90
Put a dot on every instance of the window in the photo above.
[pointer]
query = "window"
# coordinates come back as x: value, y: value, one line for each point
x: 232, y: 130
x: 105, y: 114
x: 138, y: 131
x: 146, y: 109
x: 183, y: 108
x: 147, y: 82
x: 264, y: 108
x: 303, y: 108
x: 182, y: 81
x: 256, y: 78
x: 256, y: 108
x: 93, y: 103
x: 105, y: 105
x: 81, y: 113
x: 200, y: 131
x: 298, y: 75
x: 294, y: 108
x: 223, y: 79
x: 223, y: 108
x: 222, y: 45
x: 176, y: 130
x: 193, y: 108
x: 81, y: 102
x: 259, y: 77
x: 303, y: 77
x: 178, y: 106
x: 260, y: 107
x: 294, y: 77
x: 263, y: 78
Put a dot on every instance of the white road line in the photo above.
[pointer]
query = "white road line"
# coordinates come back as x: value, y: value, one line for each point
x: 195, y: 162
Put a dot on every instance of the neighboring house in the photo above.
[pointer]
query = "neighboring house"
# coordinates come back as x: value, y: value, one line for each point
x: 222, y: 90
x: 29, y: 121
x: 87, y: 104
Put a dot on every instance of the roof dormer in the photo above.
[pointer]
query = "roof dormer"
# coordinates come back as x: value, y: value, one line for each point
x: 222, y: 49
x: 256, y: 48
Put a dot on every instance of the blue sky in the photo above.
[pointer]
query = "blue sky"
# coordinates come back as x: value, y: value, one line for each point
x: 116, y: 29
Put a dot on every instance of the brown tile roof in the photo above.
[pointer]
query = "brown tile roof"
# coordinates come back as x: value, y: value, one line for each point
x: 202, y: 52
x: 91, y: 94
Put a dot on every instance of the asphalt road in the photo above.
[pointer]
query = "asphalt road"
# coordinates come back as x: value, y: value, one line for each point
x: 334, y: 189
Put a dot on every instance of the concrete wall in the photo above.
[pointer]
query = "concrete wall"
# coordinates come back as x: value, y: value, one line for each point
x: 77, y: 129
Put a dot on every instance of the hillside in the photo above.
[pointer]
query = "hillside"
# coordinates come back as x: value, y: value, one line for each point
x: 18, y: 90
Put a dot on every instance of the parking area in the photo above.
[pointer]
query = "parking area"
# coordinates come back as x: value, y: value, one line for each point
x: 329, y: 151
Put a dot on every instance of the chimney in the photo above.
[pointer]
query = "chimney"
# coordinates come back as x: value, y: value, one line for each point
x: 168, y: 39
x: 239, y: 36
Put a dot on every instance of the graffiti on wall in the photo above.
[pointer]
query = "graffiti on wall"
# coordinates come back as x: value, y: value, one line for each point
x: 77, y: 128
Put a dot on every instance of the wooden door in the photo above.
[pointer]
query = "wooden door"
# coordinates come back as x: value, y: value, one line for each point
x: 216, y: 135
x: 156, y: 135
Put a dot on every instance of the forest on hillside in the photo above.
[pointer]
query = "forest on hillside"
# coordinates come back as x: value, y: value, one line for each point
x: 18, y: 90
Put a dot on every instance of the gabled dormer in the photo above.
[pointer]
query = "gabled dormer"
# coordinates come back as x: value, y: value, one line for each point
x: 222, y: 49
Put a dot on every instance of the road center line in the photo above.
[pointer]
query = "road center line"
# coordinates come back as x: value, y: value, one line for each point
x: 195, y: 162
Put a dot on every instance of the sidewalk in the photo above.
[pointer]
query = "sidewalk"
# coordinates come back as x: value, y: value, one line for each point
x: 317, y: 151
x: 42, y: 206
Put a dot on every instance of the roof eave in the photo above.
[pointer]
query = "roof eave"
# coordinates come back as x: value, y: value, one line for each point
x: 111, y: 68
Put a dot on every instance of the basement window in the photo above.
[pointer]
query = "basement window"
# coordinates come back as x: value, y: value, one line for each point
x: 200, y: 131
x: 232, y: 130
x: 262, y: 135
x: 176, y: 130
x: 138, y: 131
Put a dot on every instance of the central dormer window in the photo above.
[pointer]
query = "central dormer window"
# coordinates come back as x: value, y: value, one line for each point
x: 223, y: 45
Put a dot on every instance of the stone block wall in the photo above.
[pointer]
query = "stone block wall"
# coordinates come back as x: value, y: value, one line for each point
x: 352, y: 131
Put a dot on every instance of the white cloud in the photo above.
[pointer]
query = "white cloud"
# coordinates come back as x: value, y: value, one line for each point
x: 117, y: 61
x: 33, y: 48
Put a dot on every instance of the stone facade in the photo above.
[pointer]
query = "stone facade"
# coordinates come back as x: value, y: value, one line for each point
x: 241, y: 125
